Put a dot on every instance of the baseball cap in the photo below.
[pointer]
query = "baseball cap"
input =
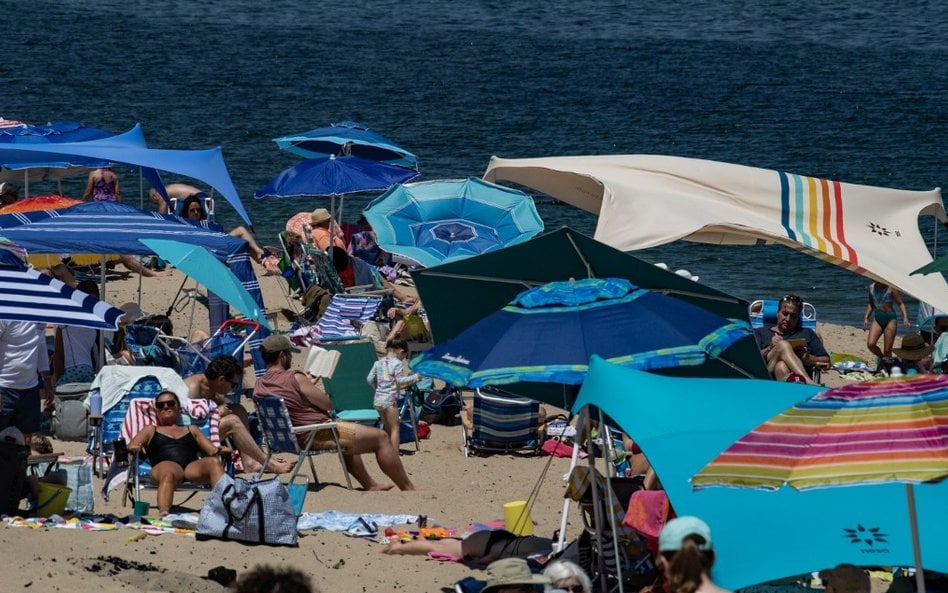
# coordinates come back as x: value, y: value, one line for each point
x: 278, y: 343
x: 675, y: 531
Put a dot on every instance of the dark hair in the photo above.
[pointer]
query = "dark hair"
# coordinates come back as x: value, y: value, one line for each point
x: 792, y: 298
x: 340, y: 259
x: 398, y: 344
x: 187, y: 204
x: 162, y: 322
x: 269, y: 579
x: 687, y: 565
x: 224, y: 365
x: 177, y: 400
x: 90, y: 287
x: 268, y: 356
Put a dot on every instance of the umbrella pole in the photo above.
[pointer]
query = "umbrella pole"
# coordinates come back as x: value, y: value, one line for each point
x: 916, y: 546
x: 610, y: 495
x: 561, y: 541
x: 101, y: 344
x: 597, y: 504
x: 175, y: 299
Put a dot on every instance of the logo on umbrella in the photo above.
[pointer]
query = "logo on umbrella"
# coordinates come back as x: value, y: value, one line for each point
x: 869, y: 536
x: 455, y: 359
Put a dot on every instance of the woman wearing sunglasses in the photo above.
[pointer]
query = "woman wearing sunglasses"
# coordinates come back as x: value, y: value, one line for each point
x: 174, y: 450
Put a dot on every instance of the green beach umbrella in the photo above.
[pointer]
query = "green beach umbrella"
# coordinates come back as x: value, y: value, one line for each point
x: 939, y: 265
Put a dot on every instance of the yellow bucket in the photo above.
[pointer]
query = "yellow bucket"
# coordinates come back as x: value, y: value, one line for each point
x: 52, y: 499
x: 517, y: 518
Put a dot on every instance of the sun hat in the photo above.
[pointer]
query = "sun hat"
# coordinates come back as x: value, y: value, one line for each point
x: 133, y: 312
x: 278, y: 343
x: 8, y: 188
x: 913, y: 348
x: 675, y: 531
x: 846, y: 578
x: 511, y: 571
x: 319, y: 216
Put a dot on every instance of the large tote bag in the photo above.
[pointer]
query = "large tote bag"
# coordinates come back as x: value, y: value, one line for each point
x: 258, y: 512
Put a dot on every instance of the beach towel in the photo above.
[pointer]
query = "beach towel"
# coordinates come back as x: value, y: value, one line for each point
x: 114, y: 382
x: 356, y: 522
x: 141, y: 413
x: 648, y: 512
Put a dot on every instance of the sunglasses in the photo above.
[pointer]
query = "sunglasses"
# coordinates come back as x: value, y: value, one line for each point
x: 167, y: 403
x: 792, y: 298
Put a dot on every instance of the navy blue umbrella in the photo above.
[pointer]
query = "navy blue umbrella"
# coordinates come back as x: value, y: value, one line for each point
x: 333, y: 176
x: 548, y: 334
x: 347, y: 138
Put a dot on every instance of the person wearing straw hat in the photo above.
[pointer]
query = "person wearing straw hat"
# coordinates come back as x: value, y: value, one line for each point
x: 913, y: 354
x: 321, y: 221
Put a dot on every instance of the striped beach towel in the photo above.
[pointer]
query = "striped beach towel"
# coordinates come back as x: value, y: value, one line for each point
x: 141, y: 413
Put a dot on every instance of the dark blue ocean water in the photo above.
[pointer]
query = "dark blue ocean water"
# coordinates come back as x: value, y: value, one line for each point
x: 850, y: 91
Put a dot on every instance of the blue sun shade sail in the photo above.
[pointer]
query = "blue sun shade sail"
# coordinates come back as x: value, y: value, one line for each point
x: 434, y: 222
x: 334, y: 176
x: 59, y: 131
x: 347, y: 138
x: 548, y: 334
x: 129, y: 148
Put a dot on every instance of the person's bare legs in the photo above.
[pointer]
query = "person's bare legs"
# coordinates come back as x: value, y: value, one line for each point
x: 356, y: 469
x: 872, y: 340
x: 207, y: 470
x: 373, y: 440
x: 391, y: 425
x: 168, y: 475
x: 423, y: 547
x: 234, y: 427
x: 888, y: 337
x: 782, y: 353
x: 131, y: 262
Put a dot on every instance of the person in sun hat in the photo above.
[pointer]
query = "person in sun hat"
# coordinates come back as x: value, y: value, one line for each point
x: 9, y: 193
x: 513, y: 575
x: 686, y: 555
x: 845, y: 578
x: 321, y: 221
x: 914, y: 353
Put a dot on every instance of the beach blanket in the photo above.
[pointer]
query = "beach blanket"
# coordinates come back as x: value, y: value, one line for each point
x: 351, y: 523
x: 115, y: 381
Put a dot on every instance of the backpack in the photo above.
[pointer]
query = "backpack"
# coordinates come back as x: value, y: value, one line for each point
x: 442, y: 407
x: 70, y: 417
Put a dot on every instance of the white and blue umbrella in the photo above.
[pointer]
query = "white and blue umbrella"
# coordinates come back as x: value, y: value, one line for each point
x: 28, y: 295
x: 434, y: 222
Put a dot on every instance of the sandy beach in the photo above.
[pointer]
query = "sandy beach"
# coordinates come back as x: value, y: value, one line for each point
x: 453, y: 492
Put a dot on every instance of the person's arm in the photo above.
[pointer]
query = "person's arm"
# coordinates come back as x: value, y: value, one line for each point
x: 869, y: 307
x: 898, y: 299
x: 371, y: 378
x: 203, y: 442
x: 404, y: 377
x: 815, y: 352
x: 88, y: 191
x: 313, y: 394
x: 142, y: 438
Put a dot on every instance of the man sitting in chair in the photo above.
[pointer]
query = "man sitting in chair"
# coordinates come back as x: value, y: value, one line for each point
x: 308, y: 404
x: 221, y: 376
x: 174, y: 451
x: 787, y: 347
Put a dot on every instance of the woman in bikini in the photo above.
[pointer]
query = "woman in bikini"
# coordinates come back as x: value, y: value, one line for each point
x: 103, y: 186
x: 173, y: 451
x: 884, y: 322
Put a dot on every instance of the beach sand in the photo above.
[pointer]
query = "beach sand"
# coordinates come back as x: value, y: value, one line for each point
x: 453, y: 492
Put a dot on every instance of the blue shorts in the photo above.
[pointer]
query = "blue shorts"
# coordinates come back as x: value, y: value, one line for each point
x: 21, y: 408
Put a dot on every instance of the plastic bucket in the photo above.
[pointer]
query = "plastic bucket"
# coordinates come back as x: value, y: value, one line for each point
x: 52, y: 499
x: 517, y: 518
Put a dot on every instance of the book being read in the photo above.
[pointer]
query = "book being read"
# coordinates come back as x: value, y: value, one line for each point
x: 321, y: 362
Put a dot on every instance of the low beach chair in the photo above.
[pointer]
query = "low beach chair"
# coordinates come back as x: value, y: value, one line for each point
x: 353, y: 399
x: 141, y: 412
x: 501, y: 423
x: 280, y: 436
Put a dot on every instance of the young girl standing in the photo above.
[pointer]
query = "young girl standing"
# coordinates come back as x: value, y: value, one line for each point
x: 388, y: 376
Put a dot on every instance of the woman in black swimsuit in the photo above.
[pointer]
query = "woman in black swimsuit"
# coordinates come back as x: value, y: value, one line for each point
x: 173, y: 451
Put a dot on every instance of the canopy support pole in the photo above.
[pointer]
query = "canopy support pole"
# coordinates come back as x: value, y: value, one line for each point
x: 609, y: 450
x: 597, y: 504
x: 579, y: 254
x: 916, y: 546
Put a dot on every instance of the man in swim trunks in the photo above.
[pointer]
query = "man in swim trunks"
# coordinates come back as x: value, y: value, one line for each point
x: 173, y: 451
x: 781, y: 346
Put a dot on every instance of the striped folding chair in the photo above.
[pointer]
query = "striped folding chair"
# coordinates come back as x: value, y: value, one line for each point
x: 501, y: 422
x: 281, y: 436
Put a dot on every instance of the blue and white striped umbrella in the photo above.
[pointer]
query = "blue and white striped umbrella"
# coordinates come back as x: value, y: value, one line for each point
x: 28, y: 295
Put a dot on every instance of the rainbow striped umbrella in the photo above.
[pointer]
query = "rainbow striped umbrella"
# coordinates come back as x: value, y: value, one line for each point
x: 884, y: 430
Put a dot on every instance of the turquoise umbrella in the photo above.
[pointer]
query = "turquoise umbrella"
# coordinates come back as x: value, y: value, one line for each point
x: 197, y: 262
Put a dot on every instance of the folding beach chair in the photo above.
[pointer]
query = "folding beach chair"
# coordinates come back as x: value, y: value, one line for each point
x: 280, y: 436
x: 141, y: 412
x: 763, y: 313
x: 501, y: 422
x: 336, y: 322
x: 353, y: 399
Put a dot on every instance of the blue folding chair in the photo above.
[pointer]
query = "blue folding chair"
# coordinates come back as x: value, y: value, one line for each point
x: 764, y: 313
x: 280, y: 436
x: 501, y: 422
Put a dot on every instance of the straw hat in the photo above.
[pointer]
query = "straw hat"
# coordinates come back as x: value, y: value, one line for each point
x: 319, y: 216
x: 913, y: 348
x: 510, y: 572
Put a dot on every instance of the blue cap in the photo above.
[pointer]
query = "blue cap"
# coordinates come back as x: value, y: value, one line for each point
x: 676, y: 530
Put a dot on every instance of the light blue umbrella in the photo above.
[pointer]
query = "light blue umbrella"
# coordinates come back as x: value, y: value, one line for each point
x: 682, y: 424
x: 435, y: 222
x: 197, y: 262
x: 347, y: 138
